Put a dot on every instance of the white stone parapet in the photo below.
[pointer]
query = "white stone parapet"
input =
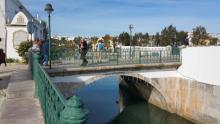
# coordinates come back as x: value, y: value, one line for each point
x: 201, y: 64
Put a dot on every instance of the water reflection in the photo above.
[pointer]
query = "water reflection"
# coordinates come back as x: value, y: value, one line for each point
x: 144, y: 113
x: 100, y: 99
x: 111, y: 103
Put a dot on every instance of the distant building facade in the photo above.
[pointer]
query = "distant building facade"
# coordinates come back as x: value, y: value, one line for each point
x: 13, y: 26
x: 59, y: 37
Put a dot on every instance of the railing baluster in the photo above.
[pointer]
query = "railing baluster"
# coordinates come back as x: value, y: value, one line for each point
x: 51, y: 100
x: 120, y: 56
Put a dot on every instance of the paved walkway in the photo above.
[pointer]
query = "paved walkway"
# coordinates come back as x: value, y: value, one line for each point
x: 20, y: 107
x: 10, y: 68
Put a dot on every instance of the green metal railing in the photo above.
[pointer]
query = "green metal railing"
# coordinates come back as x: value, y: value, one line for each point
x: 56, y: 109
x: 118, y: 57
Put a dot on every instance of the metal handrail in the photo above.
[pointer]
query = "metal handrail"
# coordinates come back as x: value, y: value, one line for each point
x: 118, y: 56
x: 61, y: 97
x: 56, y: 109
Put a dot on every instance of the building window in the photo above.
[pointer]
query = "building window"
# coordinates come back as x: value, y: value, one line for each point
x: 18, y: 37
x: 20, y: 19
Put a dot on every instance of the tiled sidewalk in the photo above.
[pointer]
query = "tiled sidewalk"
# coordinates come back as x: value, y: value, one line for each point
x: 12, y: 67
x: 20, y: 107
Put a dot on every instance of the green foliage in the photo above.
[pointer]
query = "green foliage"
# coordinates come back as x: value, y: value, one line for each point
x: 168, y: 35
x: 146, y: 38
x: 107, y: 39
x: 11, y: 60
x: 199, y: 36
x: 63, y: 46
x: 23, y: 49
x: 181, y: 36
x: 137, y: 39
x: 140, y: 39
x: 124, y: 38
x: 157, y: 39
x: 77, y: 40
x: 213, y: 41
x: 114, y: 40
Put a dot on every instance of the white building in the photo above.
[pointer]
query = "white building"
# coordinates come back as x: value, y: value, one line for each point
x: 216, y: 35
x: 59, y: 37
x: 70, y: 38
x: 13, y: 26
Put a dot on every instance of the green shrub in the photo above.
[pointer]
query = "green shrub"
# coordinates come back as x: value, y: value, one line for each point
x: 23, y: 49
x: 11, y: 60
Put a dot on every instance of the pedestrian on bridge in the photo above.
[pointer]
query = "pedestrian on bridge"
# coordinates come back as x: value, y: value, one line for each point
x: 45, y: 52
x: 36, y: 45
x: 83, y: 49
x: 100, y: 49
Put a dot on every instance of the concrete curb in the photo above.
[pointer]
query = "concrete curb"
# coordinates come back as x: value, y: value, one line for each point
x: 82, y: 70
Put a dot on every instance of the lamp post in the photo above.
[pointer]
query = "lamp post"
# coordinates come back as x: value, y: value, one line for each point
x: 49, y: 9
x: 130, y: 28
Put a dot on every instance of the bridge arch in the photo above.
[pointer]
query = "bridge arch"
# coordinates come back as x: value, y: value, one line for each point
x: 155, y: 97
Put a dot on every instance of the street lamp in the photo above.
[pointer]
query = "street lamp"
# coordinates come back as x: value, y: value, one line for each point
x: 130, y: 28
x: 49, y: 9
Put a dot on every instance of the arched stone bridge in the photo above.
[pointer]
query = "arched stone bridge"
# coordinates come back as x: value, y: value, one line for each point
x: 166, y: 89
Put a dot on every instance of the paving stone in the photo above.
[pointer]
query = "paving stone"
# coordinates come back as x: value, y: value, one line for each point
x: 21, y: 107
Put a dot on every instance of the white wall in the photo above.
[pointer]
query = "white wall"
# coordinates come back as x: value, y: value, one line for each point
x: 2, y: 24
x: 12, y: 12
x: 11, y: 51
x: 201, y: 64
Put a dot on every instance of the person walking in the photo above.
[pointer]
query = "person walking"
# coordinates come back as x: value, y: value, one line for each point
x: 35, y: 48
x: 100, y: 49
x: 36, y: 45
x: 45, y: 52
x: 2, y: 57
x: 83, y: 49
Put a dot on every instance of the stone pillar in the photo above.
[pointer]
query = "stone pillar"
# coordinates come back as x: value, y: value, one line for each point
x: 74, y: 112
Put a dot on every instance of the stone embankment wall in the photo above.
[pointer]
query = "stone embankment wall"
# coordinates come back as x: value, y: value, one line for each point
x: 193, y: 100
x: 196, y: 101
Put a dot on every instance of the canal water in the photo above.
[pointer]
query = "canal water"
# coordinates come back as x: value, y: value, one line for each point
x: 102, y: 99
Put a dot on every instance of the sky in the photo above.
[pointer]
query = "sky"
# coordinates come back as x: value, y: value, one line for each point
x: 100, y: 17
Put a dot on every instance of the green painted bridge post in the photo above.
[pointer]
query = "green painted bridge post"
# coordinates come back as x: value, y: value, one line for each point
x: 74, y: 112
x: 35, y: 62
